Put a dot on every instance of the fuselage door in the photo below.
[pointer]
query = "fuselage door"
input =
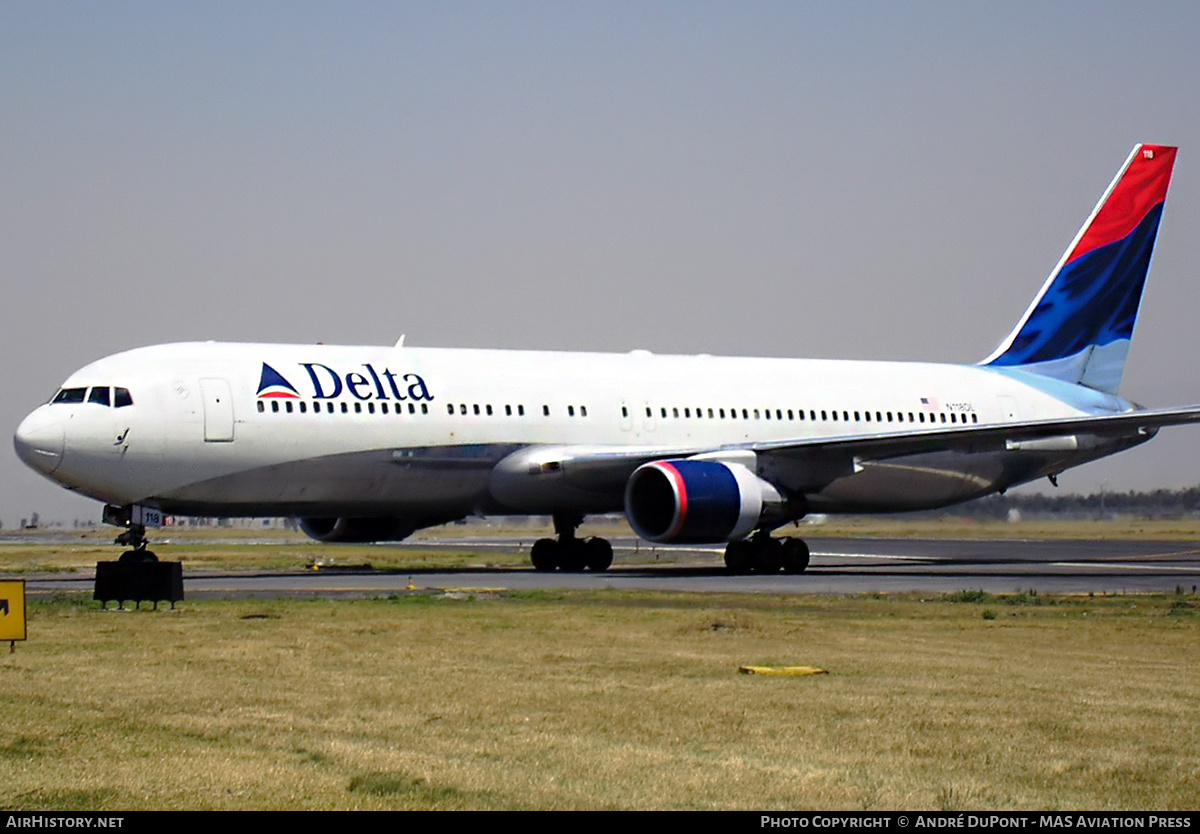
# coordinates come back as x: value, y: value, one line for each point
x: 218, y: 410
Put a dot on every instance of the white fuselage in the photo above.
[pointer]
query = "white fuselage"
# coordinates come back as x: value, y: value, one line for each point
x: 314, y: 430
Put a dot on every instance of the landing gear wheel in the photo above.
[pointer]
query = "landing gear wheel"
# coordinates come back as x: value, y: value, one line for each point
x: 795, y: 556
x: 544, y: 555
x: 135, y: 556
x: 569, y: 554
x: 739, y: 557
x: 768, y: 554
x: 572, y: 556
x: 599, y: 554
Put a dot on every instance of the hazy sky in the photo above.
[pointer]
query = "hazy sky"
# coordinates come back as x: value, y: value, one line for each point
x: 841, y: 179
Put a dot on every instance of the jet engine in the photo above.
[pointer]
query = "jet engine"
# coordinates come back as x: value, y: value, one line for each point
x: 694, y: 501
x: 356, y: 529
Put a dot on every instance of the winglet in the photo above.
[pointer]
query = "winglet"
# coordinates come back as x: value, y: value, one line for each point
x: 1079, y: 326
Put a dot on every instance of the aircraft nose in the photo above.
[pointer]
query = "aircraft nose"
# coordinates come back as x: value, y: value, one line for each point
x: 39, y: 441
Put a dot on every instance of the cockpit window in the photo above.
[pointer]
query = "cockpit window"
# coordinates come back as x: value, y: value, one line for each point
x: 69, y: 395
x: 98, y: 394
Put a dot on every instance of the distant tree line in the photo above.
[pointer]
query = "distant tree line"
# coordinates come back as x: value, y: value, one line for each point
x: 1160, y: 503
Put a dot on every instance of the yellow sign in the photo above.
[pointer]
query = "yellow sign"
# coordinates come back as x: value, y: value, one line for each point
x: 12, y: 610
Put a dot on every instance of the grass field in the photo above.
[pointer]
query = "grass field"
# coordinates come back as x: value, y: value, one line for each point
x: 607, y: 700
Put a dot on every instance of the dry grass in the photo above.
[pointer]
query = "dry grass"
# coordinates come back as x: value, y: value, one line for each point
x: 606, y: 700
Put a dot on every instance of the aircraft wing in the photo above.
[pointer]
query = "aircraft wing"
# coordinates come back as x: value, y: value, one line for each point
x: 813, y: 462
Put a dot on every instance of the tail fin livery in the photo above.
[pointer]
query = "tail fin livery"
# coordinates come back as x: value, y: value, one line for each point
x: 1078, y: 328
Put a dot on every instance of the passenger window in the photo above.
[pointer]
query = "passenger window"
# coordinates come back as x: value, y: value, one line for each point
x: 274, y: 406
x: 261, y: 407
x: 303, y: 408
x: 583, y: 411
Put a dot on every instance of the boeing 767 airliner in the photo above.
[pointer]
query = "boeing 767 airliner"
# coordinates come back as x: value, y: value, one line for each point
x: 372, y: 443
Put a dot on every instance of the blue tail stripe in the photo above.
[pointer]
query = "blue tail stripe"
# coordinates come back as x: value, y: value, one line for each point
x: 1093, y: 300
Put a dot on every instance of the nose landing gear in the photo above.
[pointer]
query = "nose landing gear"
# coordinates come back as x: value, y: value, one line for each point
x: 135, y: 538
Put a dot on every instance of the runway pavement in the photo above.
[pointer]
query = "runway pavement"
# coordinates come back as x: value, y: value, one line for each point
x: 839, y: 566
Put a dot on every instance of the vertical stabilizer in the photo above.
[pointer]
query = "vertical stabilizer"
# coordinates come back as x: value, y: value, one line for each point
x: 1078, y: 328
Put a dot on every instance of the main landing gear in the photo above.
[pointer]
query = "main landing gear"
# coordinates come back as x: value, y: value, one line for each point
x: 135, y: 538
x: 762, y: 554
x: 569, y: 554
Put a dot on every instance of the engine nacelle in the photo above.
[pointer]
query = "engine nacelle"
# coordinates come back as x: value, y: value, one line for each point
x: 699, y: 501
x: 356, y: 529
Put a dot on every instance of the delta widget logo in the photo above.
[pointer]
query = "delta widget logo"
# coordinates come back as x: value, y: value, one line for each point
x: 272, y: 385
